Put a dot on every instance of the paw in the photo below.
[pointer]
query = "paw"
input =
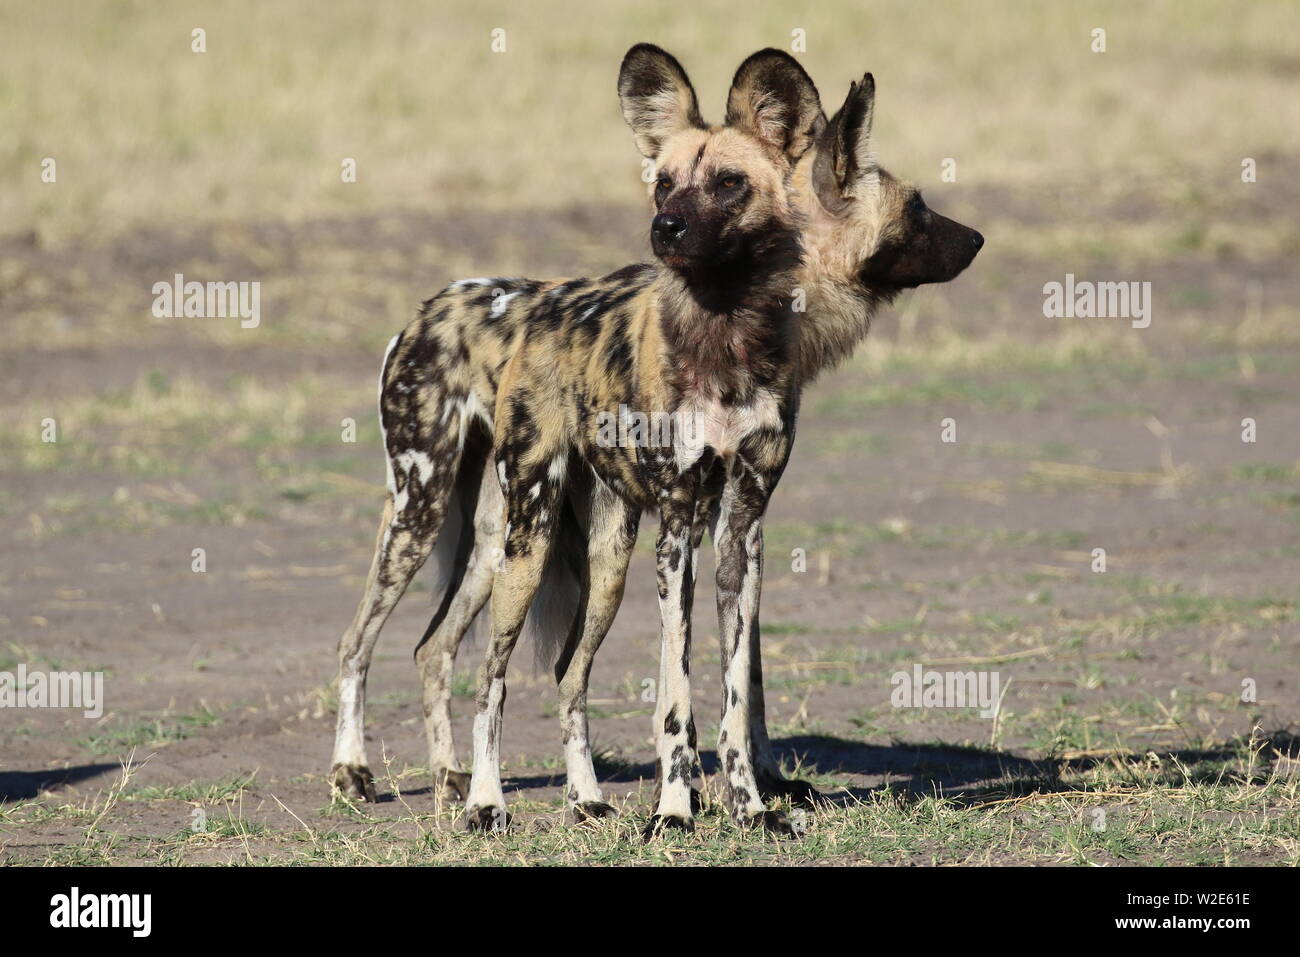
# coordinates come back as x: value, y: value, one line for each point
x: 354, y: 781
x: 453, y: 785
x: 593, y: 811
x: 668, y: 822
x: 776, y: 823
x: 491, y: 819
x: 799, y: 793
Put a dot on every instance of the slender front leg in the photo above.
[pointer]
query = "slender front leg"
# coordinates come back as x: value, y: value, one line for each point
x: 611, y: 536
x: 739, y: 544
x: 674, y: 724
x: 771, y: 782
x: 705, y: 502
x: 532, y: 493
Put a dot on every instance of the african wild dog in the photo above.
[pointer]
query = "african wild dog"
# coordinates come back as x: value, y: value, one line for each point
x: 519, y: 378
x: 867, y: 236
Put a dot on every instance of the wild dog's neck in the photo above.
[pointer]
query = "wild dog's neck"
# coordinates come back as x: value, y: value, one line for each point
x: 838, y: 317
x: 838, y: 306
x: 730, y: 334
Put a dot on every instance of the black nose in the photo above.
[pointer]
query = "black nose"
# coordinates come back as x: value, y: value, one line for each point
x: 668, y: 228
x: 978, y: 240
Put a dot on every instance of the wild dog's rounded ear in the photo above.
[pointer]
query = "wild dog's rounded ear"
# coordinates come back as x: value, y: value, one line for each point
x: 844, y: 147
x: 658, y: 99
x: 774, y: 99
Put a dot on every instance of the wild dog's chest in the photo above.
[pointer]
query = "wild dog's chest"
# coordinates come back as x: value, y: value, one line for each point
x: 703, y: 422
x: 729, y: 375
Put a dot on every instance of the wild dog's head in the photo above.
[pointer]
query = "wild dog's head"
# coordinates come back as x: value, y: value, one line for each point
x: 864, y: 225
x: 720, y: 193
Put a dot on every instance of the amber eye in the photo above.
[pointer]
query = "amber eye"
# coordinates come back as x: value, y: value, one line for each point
x: 729, y: 182
x: 665, y: 182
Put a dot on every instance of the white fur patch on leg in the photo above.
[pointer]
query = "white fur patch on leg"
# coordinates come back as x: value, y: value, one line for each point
x: 485, y: 784
x: 349, y: 737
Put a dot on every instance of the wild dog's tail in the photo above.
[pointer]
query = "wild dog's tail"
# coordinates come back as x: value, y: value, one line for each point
x: 552, y: 615
x: 445, y: 569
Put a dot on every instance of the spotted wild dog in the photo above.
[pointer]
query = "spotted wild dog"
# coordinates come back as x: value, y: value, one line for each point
x: 516, y: 372
x: 867, y: 237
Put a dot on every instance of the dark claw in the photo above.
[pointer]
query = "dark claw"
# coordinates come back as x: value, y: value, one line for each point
x: 776, y: 823
x: 490, y: 820
x: 593, y: 811
x: 661, y: 822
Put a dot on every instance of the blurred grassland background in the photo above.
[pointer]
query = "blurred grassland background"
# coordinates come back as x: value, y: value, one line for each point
x: 1127, y: 158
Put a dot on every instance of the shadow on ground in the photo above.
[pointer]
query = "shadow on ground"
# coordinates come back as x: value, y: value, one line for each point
x: 967, y: 775
x: 973, y: 775
x: 25, y: 785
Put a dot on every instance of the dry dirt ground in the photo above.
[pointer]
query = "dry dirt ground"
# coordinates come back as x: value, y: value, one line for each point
x: 1123, y: 689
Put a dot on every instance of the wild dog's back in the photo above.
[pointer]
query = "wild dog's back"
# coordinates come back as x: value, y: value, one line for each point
x: 452, y: 355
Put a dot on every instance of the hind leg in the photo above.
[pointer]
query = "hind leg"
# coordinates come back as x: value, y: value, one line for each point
x: 611, y: 536
x: 436, y: 655
x: 533, y: 484
x: 423, y: 458
x: 398, y: 556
